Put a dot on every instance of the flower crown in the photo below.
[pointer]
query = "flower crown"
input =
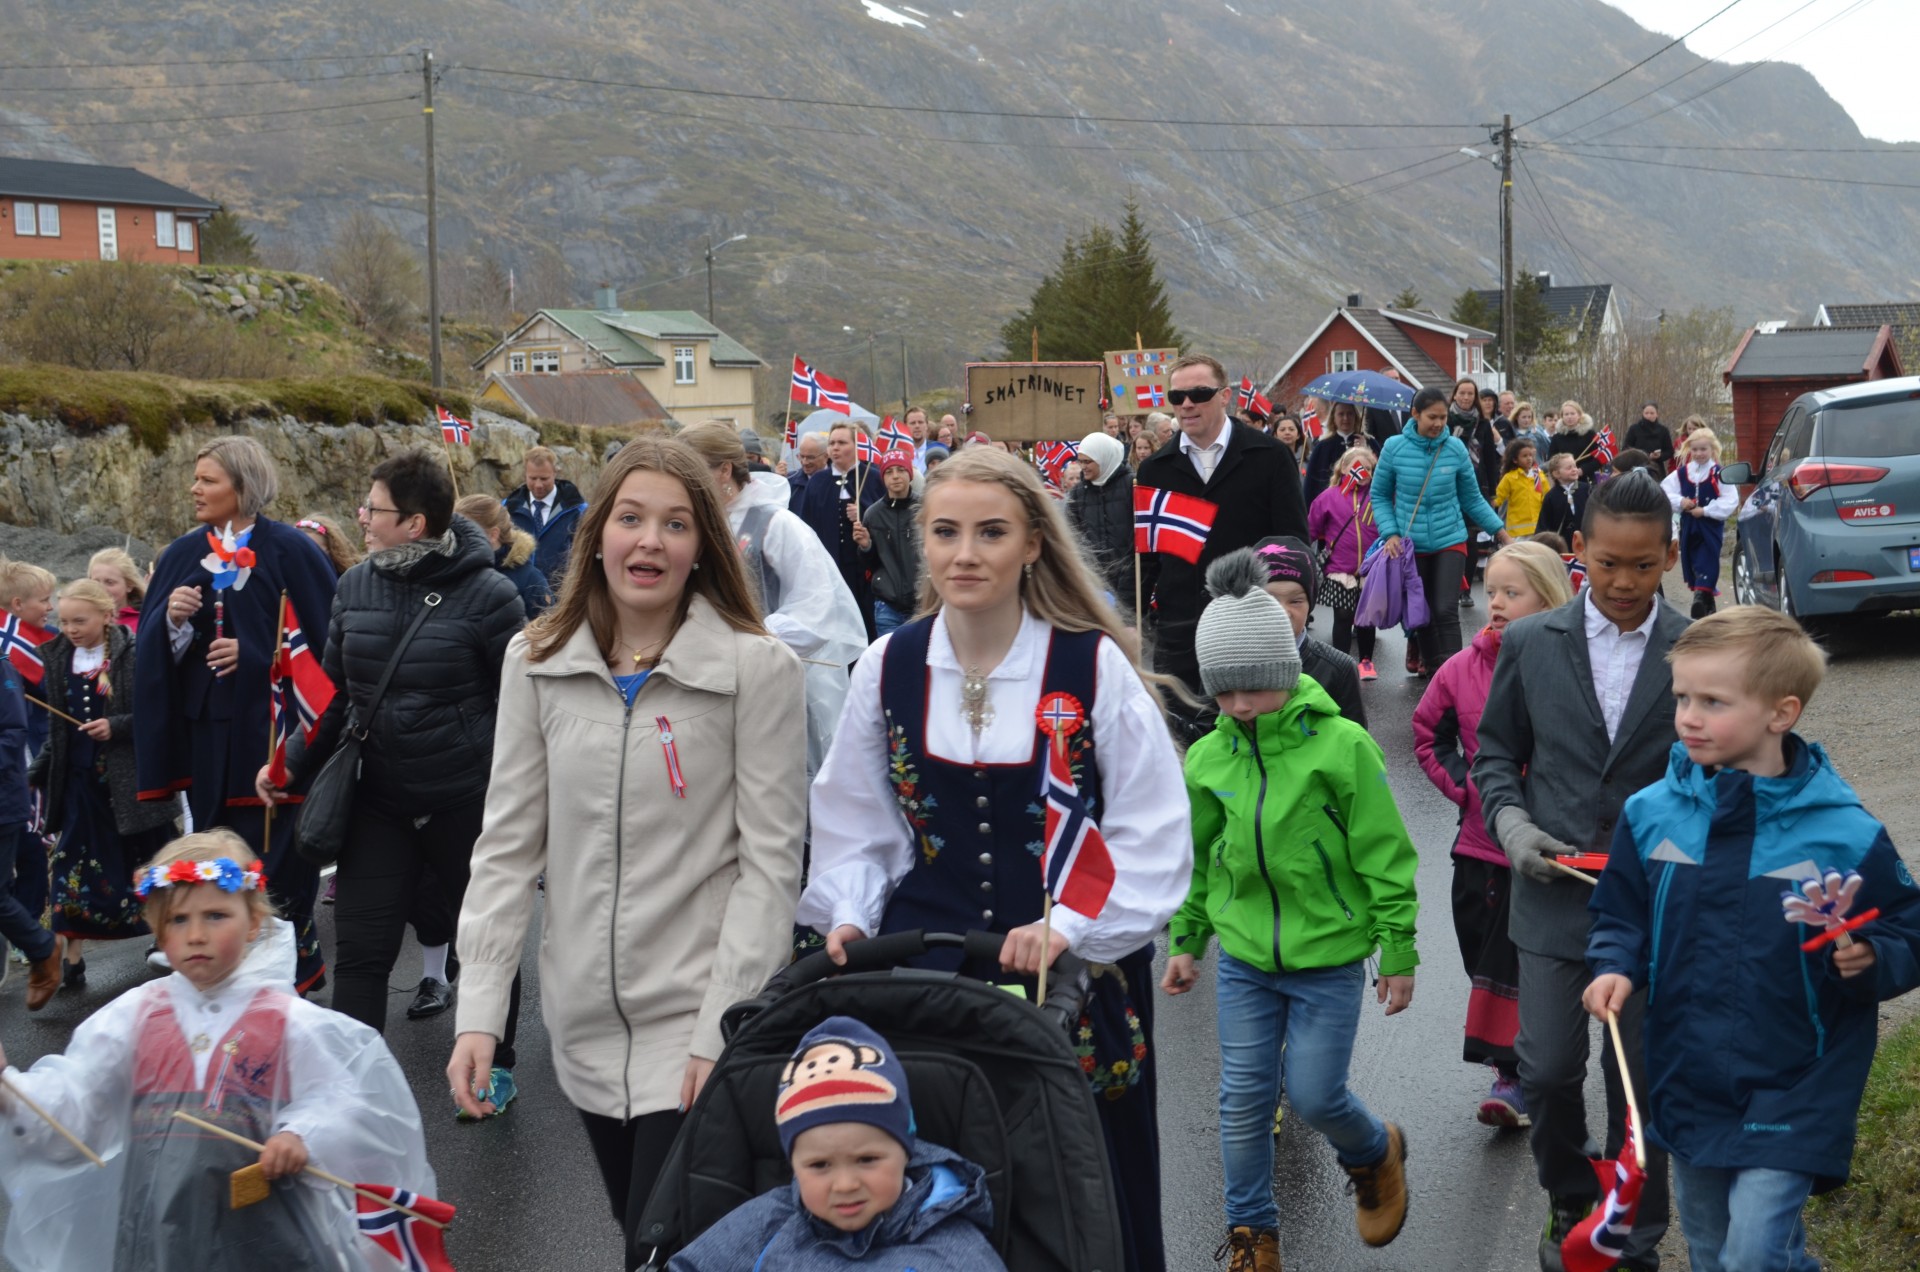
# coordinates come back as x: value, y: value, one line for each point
x: 226, y: 874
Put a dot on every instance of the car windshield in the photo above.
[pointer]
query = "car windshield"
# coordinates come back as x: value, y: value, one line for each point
x: 1876, y: 431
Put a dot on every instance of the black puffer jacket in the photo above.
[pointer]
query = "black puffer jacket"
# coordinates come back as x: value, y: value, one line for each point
x: 1103, y: 518
x: 430, y: 743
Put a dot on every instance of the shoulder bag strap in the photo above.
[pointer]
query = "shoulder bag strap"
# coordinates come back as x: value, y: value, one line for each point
x: 1414, y: 516
x: 427, y: 605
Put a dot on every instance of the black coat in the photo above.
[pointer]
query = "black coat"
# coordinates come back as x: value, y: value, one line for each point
x: 894, y: 553
x: 1325, y: 454
x: 1562, y: 515
x: 430, y: 743
x: 1337, y: 673
x: 1103, y: 518
x: 1578, y: 445
x: 130, y: 815
x: 1651, y: 436
x: 1256, y: 491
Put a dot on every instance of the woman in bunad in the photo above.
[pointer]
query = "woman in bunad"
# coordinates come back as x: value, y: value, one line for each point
x: 928, y: 811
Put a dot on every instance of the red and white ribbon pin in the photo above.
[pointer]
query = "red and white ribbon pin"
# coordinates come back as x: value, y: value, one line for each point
x: 674, y: 776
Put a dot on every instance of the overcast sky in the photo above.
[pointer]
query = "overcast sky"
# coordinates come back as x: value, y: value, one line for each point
x: 1864, y: 59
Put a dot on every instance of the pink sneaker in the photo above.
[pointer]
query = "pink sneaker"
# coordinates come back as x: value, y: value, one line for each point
x: 1366, y: 670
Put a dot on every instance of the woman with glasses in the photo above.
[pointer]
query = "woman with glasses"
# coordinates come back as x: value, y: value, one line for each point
x: 207, y: 633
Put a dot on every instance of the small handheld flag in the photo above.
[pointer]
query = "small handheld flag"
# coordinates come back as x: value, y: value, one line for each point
x: 1075, y: 863
x: 817, y: 389
x: 864, y: 451
x: 1599, y: 1242
x: 1253, y: 403
x: 1168, y: 521
x: 895, y: 436
x: 1605, y: 447
x: 1355, y: 479
x: 1576, y: 572
x: 22, y: 640
x: 1310, y: 423
x: 411, y: 1244
x: 454, y: 430
x: 299, y: 683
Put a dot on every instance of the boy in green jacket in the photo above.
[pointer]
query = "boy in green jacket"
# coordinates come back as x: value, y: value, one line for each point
x: 1303, y: 868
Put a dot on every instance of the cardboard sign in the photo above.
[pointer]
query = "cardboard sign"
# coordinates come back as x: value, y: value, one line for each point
x: 1139, y: 379
x: 1034, y: 401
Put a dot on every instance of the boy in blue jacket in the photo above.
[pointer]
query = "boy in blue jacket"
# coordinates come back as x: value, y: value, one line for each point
x: 866, y: 1193
x: 1756, y: 1051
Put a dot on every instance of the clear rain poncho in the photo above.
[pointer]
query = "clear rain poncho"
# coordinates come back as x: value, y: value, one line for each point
x: 250, y: 1056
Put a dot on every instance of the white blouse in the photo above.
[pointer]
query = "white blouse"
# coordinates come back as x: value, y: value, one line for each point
x: 863, y: 847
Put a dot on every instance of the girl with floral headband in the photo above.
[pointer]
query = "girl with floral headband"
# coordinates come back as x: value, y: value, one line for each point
x: 226, y: 1039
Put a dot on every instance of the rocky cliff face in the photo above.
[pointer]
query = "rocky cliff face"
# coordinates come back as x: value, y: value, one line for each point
x: 52, y: 479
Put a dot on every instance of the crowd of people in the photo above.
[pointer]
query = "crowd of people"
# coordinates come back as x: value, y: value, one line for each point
x: 711, y: 711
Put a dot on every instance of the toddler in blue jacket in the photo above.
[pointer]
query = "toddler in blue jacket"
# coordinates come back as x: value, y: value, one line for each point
x: 1757, y: 1050
x: 867, y: 1192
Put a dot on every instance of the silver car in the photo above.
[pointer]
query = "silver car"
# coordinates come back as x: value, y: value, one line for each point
x: 1833, y: 524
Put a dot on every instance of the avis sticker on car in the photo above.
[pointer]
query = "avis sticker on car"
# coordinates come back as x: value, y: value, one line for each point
x: 1866, y: 512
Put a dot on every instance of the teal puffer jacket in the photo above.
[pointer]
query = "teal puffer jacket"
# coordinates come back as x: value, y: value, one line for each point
x: 1453, y: 492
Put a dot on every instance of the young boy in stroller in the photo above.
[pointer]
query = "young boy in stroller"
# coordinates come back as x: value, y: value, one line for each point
x: 864, y: 1183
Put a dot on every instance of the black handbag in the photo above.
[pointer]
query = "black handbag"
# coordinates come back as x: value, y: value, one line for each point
x: 321, y: 832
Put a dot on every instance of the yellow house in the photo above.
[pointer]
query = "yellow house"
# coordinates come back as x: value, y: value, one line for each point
x: 692, y: 368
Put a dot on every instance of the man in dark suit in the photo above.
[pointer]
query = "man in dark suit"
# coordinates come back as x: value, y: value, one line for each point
x: 1383, y: 423
x: 1253, y: 481
x: 828, y: 503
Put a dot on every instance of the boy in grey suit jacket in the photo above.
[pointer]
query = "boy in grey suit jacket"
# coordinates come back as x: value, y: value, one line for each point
x: 1579, y: 717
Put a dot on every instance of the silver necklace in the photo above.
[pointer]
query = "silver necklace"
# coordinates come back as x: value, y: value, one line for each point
x: 974, y: 705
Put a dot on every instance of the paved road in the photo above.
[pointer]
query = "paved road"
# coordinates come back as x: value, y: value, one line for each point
x: 530, y: 1199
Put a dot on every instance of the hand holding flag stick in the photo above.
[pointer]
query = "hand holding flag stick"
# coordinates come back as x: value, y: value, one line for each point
x: 53, y: 1122
x: 1075, y: 865
x: 315, y: 1171
x: 52, y: 710
x: 1598, y: 1243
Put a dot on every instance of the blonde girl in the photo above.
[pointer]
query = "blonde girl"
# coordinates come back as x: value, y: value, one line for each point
x: 1703, y: 502
x: 113, y: 569
x: 342, y: 549
x: 1522, y: 579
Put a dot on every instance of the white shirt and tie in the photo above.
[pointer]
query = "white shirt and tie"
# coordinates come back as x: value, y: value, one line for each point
x: 542, y: 509
x: 1616, y: 657
x: 1206, y: 459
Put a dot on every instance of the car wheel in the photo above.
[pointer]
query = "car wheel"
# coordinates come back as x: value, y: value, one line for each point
x: 1744, y: 592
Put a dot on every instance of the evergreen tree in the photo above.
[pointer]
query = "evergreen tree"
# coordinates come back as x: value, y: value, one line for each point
x: 224, y: 241
x: 1103, y: 292
x: 1470, y: 309
x: 1407, y: 299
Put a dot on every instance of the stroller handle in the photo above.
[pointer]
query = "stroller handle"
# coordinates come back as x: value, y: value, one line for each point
x: 1066, y: 983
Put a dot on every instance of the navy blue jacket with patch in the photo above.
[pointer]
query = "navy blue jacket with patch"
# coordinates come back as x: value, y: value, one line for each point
x: 1757, y: 1053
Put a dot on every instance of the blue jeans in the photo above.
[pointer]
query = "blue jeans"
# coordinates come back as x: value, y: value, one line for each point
x: 1743, y: 1220
x: 1313, y: 1015
x: 886, y: 618
x: 18, y: 924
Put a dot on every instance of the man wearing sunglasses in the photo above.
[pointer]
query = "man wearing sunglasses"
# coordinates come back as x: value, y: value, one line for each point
x: 1251, y: 478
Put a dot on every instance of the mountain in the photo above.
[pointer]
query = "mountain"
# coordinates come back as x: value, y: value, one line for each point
x: 935, y: 226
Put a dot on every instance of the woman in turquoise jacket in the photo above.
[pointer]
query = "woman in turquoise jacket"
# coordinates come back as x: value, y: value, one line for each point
x: 1425, y: 491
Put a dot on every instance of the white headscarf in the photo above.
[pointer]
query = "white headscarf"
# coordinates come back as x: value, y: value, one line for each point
x: 1108, y: 452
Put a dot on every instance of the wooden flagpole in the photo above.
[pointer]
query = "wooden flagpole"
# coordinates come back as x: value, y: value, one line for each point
x: 1046, y: 896
x: 1139, y: 618
x: 787, y: 428
x: 50, y: 709
x: 54, y: 1122
x: 1581, y: 875
x: 447, y: 446
x: 273, y: 669
x: 1626, y: 1084
x: 315, y: 1171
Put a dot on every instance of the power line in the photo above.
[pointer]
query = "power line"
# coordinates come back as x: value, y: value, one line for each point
x: 1623, y: 74
x: 1737, y: 172
x: 169, y: 88
x: 194, y: 119
x: 209, y: 61
x: 935, y: 110
x: 1554, y: 221
x: 1886, y: 150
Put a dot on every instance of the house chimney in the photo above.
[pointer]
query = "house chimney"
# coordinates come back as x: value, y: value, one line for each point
x: 1544, y: 278
x: 1355, y: 300
x: 607, y: 298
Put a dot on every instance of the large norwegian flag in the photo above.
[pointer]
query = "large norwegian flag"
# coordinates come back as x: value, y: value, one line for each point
x: 22, y: 642
x: 894, y: 436
x: 300, y: 691
x: 1168, y: 521
x: 454, y: 430
x: 1599, y: 1242
x: 818, y: 389
x: 1075, y: 864
x: 404, y: 1240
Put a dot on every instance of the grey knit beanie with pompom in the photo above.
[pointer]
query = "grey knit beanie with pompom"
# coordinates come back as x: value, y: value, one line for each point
x: 1244, y: 640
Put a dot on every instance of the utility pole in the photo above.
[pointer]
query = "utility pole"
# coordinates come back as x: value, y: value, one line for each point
x: 873, y: 380
x: 1506, y: 252
x: 903, y: 377
x: 433, y: 232
x: 709, y: 280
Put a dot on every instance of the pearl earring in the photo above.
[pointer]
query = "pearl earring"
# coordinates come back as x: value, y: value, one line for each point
x: 599, y: 556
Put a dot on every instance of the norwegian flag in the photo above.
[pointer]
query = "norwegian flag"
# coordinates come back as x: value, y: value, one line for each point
x: 1253, y: 403
x: 1576, y: 572
x: 404, y: 1240
x: 894, y: 436
x: 1168, y: 521
x: 1051, y: 457
x: 792, y: 436
x: 817, y: 389
x: 1599, y: 1242
x: 1605, y: 447
x: 1310, y: 423
x: 453, y: 429
x: 300, y: 691
x: 1355, y: 479
x: 22, y: 642
x: 1149, y: 395
x: 865, y: 451
x: 1075, y: 863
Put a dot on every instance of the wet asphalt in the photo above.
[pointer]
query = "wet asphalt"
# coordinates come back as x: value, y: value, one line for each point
x: 529, y: 1196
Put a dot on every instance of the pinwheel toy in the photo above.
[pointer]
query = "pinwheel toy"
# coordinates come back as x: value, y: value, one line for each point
x: 1823, y: 902
x: 231, y: 564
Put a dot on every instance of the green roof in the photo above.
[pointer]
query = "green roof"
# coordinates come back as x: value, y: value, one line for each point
x: 620, y: 348
x: 612, y: 330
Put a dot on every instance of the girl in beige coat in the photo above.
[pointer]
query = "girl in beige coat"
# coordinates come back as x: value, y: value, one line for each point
x: 651, y: 760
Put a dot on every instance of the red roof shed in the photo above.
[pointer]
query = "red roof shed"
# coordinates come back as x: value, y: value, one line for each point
x: 1770, y: 369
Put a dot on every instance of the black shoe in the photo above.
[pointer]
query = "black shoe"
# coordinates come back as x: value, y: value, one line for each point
x: 1704, y: 604
x: 74, y: 975
x: 434, y: 997
x: 1563, y: 1216
x: 1466, y: 600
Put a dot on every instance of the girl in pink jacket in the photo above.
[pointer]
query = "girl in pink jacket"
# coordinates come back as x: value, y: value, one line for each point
x: 1522, y: 579
x: 1340, y: 519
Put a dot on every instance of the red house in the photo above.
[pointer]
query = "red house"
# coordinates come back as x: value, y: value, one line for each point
x: 1424, y: 349
x: 86, y: 212
x: 1770, y: 369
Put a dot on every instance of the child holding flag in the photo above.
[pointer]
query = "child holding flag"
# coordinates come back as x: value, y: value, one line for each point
x: 226, y: 1040
x: 928, y: 812
x: 1291, y: 815
x: 1341, y: 521
x: 1758, y: 1039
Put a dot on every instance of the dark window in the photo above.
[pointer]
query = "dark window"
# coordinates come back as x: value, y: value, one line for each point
x: 1875, y: 431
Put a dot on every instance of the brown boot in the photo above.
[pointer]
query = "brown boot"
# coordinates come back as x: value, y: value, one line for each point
x: 43, y: 980
x: 1380, y: 1192
x: 1250, y: 1250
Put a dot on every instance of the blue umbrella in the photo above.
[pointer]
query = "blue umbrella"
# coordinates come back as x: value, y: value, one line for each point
x: 1363, y: 389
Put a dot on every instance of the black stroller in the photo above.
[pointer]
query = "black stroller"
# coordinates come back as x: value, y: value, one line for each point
x: 993, y: 1078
